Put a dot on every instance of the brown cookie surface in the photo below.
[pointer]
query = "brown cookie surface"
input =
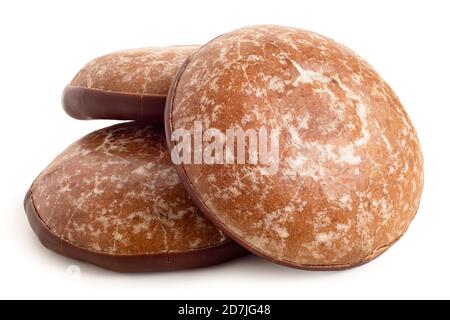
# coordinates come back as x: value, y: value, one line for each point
x: 349, y: 170
x: 125, y: 85
x: 114, y: 199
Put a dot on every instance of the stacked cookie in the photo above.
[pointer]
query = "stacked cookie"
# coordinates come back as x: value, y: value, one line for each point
x: 280, y: 139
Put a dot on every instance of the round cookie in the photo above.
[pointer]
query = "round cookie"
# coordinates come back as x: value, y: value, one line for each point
x: 346, y: 179
x: 114, y: 199
x: 125, y: 85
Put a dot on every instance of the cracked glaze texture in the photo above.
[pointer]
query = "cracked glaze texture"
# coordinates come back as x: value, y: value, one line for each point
x: 115, y: 191
x: 147, y: 71
x: 350, y: 171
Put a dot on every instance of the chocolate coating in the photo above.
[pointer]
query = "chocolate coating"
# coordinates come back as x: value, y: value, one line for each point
x: 113, y: 199
x: 350, y: 171
x: 125, y: 85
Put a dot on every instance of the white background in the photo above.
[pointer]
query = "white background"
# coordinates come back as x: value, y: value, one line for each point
x: 44, y: 43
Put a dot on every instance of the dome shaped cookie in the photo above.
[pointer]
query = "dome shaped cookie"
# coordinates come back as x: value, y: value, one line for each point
x: 346, y: 179
x: 125, y: 85
x: 113, y: 199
